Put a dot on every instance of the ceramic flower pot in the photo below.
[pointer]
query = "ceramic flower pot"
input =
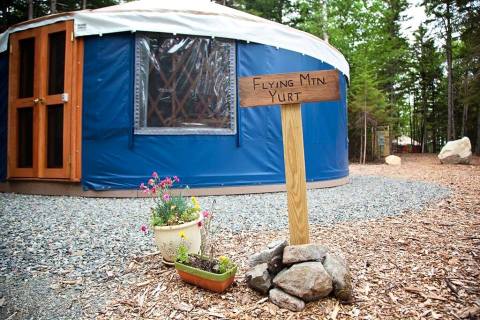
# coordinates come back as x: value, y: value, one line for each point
x: 208, y: 280
x: 168, y: 238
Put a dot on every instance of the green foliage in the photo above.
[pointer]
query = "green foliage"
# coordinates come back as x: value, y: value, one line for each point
x: 225, y: 264
x: 182, y: 253
x: 269, y: 9
x: 169, y: 210
x: 15, y: 11
x: 177, y: 210
x: 393, y: 82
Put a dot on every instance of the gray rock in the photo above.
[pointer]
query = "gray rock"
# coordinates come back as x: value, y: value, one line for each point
x: 308, y: 281
x: 304, y: 252
x: 456, y: 152
x: 273, y: 249
x: 259, y: 279
x: 275, y: 265
x: 337, y: 268
x: 456, y: 159
x: 286, y: 301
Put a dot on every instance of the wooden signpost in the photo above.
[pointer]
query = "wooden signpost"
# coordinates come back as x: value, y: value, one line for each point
x: 289, y: 90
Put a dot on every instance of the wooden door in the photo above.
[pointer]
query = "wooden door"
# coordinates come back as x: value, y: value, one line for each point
x: 43, y: 103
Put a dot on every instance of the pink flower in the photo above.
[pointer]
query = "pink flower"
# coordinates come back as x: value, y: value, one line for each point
x: 142, y: 186
x: 144, y: 229
x: 155, y: 175
x: 166, y: 197
x: 151, y: 182
x: 176, y: 179
x: 205, y: 214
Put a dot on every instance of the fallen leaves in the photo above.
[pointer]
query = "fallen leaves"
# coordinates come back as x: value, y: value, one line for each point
x: 417, y: 265
x: 469, y: 312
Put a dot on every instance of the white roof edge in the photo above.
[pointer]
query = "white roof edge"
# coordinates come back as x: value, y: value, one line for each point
x: 204, y: 19
x: 34, y: 24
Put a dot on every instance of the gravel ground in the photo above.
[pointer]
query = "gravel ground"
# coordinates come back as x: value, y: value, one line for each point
x: 60, y: 255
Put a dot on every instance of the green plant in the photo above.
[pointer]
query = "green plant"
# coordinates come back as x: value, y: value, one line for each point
x: 225, y: 264
x: 169, y: 209
x: 205, y: 260
x: 182, y: 252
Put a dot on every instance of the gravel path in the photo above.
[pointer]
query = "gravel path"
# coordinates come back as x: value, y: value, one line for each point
x: 60, y: 255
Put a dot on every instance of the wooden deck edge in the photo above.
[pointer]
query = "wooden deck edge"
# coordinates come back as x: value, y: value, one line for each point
x: 55, y: 188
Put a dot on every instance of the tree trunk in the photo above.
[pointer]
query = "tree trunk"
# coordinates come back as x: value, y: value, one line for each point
x: 84, y: 4
x: 434, y: 120
x: 424, y: 137
x: 365, y: 138
x: 411, y: 120
x: 361, y: 148
x: 325, y: 20
x: 53, y: 6
x: 451, y: 121
x: 30, y: 9
x: 477, y: 145
x: 365, y: 126
x: 423, y: 134
x: 465, y: 108
x: 372, y: 152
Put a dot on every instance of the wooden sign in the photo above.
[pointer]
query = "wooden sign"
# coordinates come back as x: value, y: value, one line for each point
x: 289, y: 88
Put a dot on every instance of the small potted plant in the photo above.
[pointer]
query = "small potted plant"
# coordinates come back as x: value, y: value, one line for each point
x: 204, y: 270
x: 171, y: 215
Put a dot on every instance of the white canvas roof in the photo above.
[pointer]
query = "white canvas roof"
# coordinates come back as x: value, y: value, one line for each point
x: 192, y: 17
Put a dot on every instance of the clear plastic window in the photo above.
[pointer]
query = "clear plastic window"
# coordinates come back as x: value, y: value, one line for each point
x: 184, y: 85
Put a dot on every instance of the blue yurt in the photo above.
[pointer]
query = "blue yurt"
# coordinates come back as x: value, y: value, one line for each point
x: 96, y: 100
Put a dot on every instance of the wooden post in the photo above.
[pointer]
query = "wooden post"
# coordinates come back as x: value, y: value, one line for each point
x: 295, y: 173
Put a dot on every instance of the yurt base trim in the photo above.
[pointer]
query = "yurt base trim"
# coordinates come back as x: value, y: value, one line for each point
x: 55, y: 188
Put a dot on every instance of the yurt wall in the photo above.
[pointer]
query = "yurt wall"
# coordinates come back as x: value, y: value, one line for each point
x: 115, y: 157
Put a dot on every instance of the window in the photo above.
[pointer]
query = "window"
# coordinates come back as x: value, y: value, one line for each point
x: 184, y: 85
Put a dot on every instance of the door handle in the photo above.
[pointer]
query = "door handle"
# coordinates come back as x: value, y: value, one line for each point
x: 39, y: 100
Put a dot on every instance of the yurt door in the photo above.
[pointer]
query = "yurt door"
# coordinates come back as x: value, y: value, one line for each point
x: 40, y: 112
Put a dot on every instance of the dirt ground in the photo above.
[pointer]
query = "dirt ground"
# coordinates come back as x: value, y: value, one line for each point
x: 423, y: 265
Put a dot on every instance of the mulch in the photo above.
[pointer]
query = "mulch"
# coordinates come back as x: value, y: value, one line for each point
x: 422, y: 265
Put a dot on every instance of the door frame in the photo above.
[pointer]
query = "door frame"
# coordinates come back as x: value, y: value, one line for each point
x: 72, y: 109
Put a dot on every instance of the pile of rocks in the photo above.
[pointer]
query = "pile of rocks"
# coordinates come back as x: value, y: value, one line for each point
x: 296, y: 274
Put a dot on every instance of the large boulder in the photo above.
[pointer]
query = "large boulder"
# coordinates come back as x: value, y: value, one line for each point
x: 456, y: 152
x: 259, y: 279
x: 393, y: 160
x: 284, y: 300
x: 337, y: 268
x: 273, y: 249
x: 304, y: 252
x: 308, y: 281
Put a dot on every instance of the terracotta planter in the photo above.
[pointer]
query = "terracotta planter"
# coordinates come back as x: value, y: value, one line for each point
x: 204, y: 279
x: 167, y: 239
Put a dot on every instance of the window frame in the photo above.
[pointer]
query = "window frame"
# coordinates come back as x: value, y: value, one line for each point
x: 232, y: 94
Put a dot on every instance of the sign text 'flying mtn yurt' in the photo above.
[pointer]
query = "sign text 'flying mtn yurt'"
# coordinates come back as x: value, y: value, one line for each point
x: 95, y: 100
